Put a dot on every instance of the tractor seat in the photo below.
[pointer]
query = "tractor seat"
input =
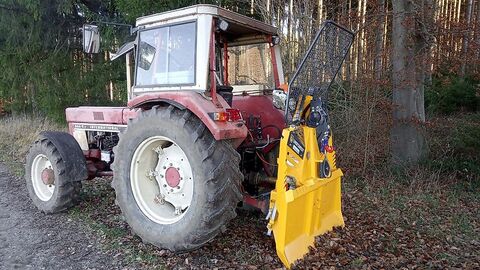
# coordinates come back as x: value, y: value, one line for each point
x: 226, y: 91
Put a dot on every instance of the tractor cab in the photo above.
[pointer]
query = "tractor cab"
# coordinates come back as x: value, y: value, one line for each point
x: 201, y: 48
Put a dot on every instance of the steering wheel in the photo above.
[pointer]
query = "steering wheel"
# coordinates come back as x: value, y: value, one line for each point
x: 248, y: 77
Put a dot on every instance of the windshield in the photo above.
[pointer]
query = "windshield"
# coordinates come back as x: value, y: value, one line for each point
x: 166, y: 55
x: 250, y: 65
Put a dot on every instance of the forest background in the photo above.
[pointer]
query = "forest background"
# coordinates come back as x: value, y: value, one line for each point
x: 412, y: 75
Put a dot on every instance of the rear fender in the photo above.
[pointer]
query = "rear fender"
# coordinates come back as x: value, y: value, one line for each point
x: 199, y: 105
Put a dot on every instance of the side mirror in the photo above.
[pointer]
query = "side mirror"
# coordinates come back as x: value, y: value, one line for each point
x: 91, y: 38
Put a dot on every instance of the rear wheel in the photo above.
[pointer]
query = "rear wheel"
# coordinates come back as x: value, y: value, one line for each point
x: 52, y: 184
x: 161, y: 179
x: 176, y: 185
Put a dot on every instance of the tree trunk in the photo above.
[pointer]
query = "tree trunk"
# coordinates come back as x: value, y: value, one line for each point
x: 291, y: 60
x: 466, y: 38
x: 348, y: 60
x: 379, y: 40
x: 359, y: 37
x: 407, y: 135
x: 477, y: 30
x: 430, y: 8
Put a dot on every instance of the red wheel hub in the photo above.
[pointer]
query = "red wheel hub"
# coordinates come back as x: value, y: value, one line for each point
x: 48, y: 176
x: 172, y: 176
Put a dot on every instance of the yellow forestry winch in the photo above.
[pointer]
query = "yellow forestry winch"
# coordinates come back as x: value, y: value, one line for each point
x: 303, y: 205
x: 306, y: 201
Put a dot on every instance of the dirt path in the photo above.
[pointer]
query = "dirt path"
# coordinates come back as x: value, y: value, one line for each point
x: 30, y: 239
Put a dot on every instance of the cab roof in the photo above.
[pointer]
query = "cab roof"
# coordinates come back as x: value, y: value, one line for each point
x: 240, y: 25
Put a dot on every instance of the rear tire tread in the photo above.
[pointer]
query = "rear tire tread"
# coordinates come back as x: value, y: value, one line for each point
x: 220, y: 158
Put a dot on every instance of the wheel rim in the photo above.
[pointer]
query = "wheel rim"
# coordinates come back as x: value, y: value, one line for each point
x: 42, y: 168
x: 161, y: 179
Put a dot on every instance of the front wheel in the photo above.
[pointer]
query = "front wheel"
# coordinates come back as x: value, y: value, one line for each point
x: 176, y: 185
x: 55, y: 165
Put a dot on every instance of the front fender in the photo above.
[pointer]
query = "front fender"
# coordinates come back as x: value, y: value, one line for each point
x: 71, y: 153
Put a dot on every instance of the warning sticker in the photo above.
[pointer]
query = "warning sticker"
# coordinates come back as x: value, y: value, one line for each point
x: 295, y: 142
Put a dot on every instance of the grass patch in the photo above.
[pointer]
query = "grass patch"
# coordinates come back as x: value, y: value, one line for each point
x: 98, y: 211
x: 463, y: 223
x: 17, y: 133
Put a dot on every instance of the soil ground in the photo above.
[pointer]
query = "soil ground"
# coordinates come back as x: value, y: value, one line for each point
x: 30, y: 239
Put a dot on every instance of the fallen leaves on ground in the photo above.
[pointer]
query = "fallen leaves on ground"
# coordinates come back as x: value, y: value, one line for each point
x: 385, y: 228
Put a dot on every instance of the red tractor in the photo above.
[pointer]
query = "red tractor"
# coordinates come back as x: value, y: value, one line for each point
x: 207, y: 126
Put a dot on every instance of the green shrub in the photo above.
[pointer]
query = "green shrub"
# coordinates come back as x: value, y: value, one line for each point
x: 460, y: 150
x: 467, y: 139
x: 451, y: 94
